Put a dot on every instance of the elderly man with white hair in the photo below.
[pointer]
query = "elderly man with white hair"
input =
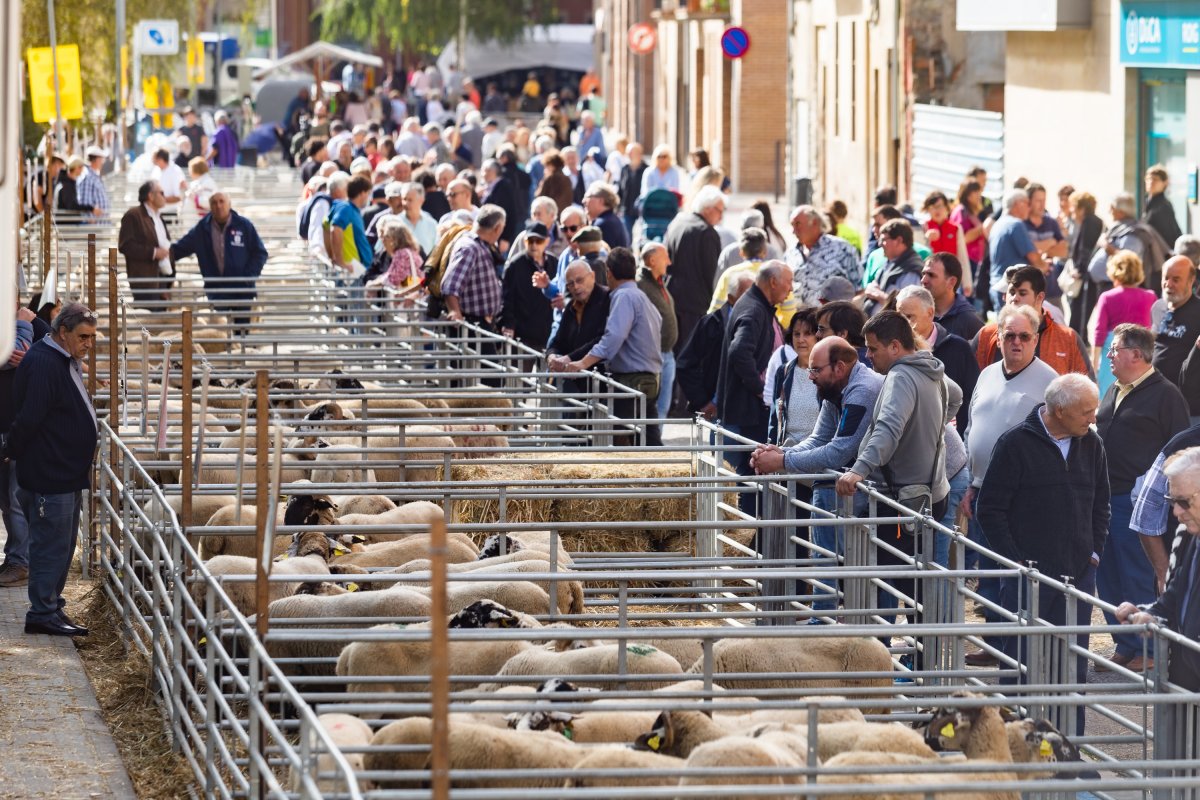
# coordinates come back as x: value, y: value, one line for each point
x: 1045, y: 501
x: 694, y: 246
x: 818, y: 256
x: 545, y: 211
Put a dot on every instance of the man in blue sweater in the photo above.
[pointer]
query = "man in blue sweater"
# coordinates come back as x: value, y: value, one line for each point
x: 53, y: 441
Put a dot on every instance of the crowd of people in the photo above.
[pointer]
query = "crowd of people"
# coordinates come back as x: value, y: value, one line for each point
x: 1028, y: 373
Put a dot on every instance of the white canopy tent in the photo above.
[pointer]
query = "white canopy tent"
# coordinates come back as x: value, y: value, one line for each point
x: 566, y: 47
x: 323, y: 52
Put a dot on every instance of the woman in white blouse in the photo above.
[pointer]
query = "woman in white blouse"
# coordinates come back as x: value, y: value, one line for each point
x: 793, y: 400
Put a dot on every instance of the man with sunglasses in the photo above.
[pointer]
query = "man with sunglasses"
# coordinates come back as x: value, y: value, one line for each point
x: 53, y: 441
x: 1138, y: 415
x: 1004, y: 395
x: 1177, y: 607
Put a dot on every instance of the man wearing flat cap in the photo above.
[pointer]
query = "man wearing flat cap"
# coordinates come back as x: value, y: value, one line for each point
x: 525, y: 312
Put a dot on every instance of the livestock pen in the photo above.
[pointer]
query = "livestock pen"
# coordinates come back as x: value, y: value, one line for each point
x: 636, y: 595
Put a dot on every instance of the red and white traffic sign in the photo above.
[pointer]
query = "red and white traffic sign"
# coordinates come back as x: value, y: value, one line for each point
x: 643, y: 38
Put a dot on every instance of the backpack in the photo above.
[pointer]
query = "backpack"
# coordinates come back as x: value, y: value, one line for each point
x: 306, y: 214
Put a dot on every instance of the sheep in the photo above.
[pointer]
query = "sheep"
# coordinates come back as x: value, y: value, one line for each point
x: 873, y: 772
x: 234, y: 544
x: 428, y: 444
x: 424, y: 565
x: 366, y: 504
x: 479, y: 436
x: 523, y: 542
x: 603, y: 660
x: 472, y: 747
x: 346, y: 732
x: 418, y: 512
x: 741, y: 752
x: 845, y: 737
x: 637, y: 768
x: 411, y: 658
x: 569, y: 592
x: 740, y: 659
x: 459, y: 549
x: 333, y: 415
x: 318, y: 657
x: 678, y: 733
x: 327, y: 468
x: 311, y: 554
x: 204, y: 506
x: 522, y: 596
x: 1039, y: 742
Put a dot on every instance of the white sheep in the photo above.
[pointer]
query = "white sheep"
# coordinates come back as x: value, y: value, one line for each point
x: 636, y: 768
x: 410, y: 659
x: 472, y: 747
x: 242, y: 594
x: 678, y: 733
x: 741, y: 752
x: 389, y: 554
x: 236, y: 544
x: 429, y: 444
x: 346, y: 732
x: 367, y: 504
x: 203, y: 507
x: 736, y: 662
x: 319, y: 656
x: 569, y: 592
x: 603, y: 660
x: 479, y: 436
x: 332, y: 465
x: 418, y: 512
x: 522, y: 596
x: 873, y: 772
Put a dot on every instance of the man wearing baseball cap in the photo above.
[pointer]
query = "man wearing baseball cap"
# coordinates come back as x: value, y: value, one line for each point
x: 590, y: 244
x: 90, y: 190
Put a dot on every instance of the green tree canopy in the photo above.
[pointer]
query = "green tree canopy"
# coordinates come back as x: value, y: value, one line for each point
x: 424, y: 26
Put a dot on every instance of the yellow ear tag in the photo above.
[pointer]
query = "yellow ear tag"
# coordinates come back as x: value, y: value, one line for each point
x: 654, y: 742
x: 203, y: 640
x: 282, y: 557
x: 948, y: 730
x: 1045, y: 751
x: 351, y: 587
x: 340, y: 550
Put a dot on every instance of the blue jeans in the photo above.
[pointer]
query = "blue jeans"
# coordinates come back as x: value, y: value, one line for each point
x: 53, y: 532
x: 16, y: 546
x: 740, y: 461
x: 666, y: 381
x: 1125, y: 573
x: 958, y: 490
x: 833, y: 537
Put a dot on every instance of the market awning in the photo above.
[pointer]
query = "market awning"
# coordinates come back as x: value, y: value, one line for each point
x: 566, y: 47
x: 323, y: 51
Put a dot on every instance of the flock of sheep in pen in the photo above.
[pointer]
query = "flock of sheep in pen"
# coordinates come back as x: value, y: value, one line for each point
x: 381, y: 580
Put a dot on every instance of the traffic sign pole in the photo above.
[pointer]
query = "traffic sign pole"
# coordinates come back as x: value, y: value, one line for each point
x: 60, y: 136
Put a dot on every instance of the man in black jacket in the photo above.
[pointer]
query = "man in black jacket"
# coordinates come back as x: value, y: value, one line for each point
x: 750, y: 337
x: 700, y: 360
x: 1045, y: 499
x: 583, y: 319
x: 1159, y: 213
x: 53, y: 441
x: 630, y: 184
x: 499, y: 190
x: 1139, y: 414
x: 694, y: 247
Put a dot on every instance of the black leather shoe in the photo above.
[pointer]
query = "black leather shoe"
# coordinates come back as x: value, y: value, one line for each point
x: 55, y: 628
x: 70, y: 623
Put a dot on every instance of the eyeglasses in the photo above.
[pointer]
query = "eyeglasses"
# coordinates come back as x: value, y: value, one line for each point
x: 1183, y: 502
x: 1112, y: 351
x: 570, y: 228
x: 817, y: 370
x: 1011, y: 336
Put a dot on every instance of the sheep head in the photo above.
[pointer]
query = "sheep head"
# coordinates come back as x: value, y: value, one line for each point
x: 1037, y: 740
x: 321, y: 588
x: 311, y: 510
x: 487, y: 614
x: 492, y: 546
x: 336, y: 379
x: 965, y: 729
x: 328, y: 411
x: 308, y: 543
x: 660, y: 738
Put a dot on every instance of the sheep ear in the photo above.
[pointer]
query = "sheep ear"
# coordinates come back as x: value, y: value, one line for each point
x: 356, y: 538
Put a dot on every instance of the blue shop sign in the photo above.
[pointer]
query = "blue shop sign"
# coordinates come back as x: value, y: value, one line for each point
x: 1160, y: 34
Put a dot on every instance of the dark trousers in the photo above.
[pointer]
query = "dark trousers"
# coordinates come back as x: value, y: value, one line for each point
x: 647, y: 384
x: 53, y: 532
x: 1052, y: 607
x: 740, y: 461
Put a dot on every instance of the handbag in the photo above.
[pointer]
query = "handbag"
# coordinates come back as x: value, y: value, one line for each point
x: 1070, y: 281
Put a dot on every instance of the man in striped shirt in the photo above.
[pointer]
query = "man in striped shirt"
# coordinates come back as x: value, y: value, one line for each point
x: 90, y: 190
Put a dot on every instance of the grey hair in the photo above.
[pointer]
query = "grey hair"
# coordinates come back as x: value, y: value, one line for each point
x: 577, y: 263
x: 771, y: 270
x: 220, y: 116
x: 1184, y: 461
x: 443, y: 168
x: 1010, y: 311
x: 605, y: 192
x: 707, y: 198
x: 490, y: 216
x: 1014, y: 196
x: 72, y: 316
x: 753, y: 219
x: 919, y: 293
x: 810, y: 212
x: 1123, y: 202
x: 1188, y: 245
x: 492, y: 165
x: 572, y: 210
x: 544, y: 202
x: 1136, y: 337
x: 414, y: 186
x: 338, y: 182
x: 1067, y: 390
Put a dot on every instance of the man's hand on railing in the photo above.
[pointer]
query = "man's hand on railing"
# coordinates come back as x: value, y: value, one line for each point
x: 848, y: 483
x: 1129, y: 614
x: 767, y: 458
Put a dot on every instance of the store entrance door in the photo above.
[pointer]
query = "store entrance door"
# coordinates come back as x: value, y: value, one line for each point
x: 1164, y: 131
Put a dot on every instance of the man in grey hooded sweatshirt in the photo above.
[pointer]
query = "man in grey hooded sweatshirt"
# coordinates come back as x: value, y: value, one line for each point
x: 903, y: 446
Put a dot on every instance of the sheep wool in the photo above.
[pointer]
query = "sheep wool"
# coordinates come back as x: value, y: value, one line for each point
x: 603, y: 660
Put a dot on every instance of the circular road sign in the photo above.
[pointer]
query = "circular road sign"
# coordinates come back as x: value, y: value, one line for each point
x: 735, y: 42
x: 643, y: 37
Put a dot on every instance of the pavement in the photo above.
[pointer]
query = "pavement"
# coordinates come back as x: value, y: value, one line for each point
x: 55, y: 741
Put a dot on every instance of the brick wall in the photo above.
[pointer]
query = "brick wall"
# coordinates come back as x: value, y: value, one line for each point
x: 759, y: 101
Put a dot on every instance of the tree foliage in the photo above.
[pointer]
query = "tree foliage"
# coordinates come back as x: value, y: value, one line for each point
x: 424, y: 26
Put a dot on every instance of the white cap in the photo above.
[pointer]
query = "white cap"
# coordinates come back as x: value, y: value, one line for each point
x: 95, y: 152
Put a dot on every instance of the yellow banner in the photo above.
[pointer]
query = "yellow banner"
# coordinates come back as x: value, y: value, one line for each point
x: 41, y: 82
